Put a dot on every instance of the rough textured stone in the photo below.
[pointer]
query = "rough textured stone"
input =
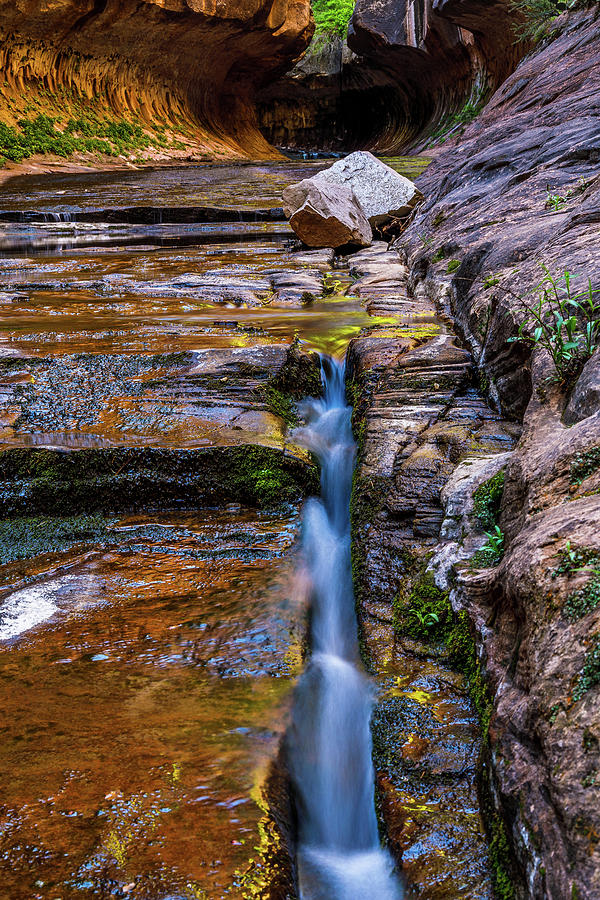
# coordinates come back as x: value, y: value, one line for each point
x: 193, y: 64
x: 585, y: 399
x: 416, y: 416
x: 380, y: 191
x: 487, y: 207
x: 326, y: 215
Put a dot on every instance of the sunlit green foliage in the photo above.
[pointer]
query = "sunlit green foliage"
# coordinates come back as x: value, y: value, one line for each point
x: 87, y: 134
x: 332, y: 16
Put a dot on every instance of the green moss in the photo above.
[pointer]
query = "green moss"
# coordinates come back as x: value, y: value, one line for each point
x: 43, y: 481
x: 425, y: 613
x: 589, y: 676
x: 500, y: 858
x: 26, y: 537
x: 584, y: 465
x: 463, y: 656
x: 452, y: 266
x: 487, y: 499
x: 281, y: 405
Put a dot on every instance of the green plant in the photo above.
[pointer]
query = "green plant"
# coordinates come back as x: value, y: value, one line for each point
x: 573, y: 559
x: 425, y: 613
x: 452, y: 266
x: 584, y: 464
x: 589, y: 676
x: 491, y: 281
x: 562, y: 321
x: 556, y: 202
x: 332, y: 16
x: 424, y: 620
x: 491, y: 553
x: 495, y: 540
x: 426, y: 240
x: 457, y: 122
x: 534, y: 16
x: 587, y: 598
x: 487, y: 499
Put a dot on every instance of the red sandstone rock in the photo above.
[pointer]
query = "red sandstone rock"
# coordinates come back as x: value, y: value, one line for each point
x: 193, y: 64
x: 487, y: 208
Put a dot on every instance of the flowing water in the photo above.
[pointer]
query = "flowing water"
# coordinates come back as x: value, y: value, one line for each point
x: 330, y: 741
x: 147, y: 664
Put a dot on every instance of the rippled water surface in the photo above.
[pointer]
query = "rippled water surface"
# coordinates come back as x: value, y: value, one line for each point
x: 146, y: 664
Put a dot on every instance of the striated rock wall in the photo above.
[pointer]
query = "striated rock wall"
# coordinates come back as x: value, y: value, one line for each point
x: 193, y: 65
x: 405, y: 68
x: 521, y: 190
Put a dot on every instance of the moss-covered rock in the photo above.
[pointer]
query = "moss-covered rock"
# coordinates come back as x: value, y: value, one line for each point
x: 36, y: 481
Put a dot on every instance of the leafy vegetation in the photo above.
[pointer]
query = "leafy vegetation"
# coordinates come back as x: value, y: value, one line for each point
x: 534, y: 17
x: 590, y: 674
x: 492, y: 551
x: 425, y: 613
x: 487, y: 499
x: 332, y: 16
x: 584, y: 464
x: 557, y: 202
x: 577, y: 559
x: 561, y: 320
x: 456, y: 123
x: 86, y: 134
x: 491, y: 281
x: 452, y: 266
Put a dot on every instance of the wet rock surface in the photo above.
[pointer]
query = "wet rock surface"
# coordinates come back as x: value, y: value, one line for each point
x: 167, y: 657
x: 126, y: 389
x: 529, y: 182
x: 417, y: 416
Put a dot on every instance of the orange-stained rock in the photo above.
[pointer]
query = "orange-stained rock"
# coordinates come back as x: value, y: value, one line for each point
x: 192, y: 65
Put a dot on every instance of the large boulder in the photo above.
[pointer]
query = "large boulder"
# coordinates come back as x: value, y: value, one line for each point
x: 380, y: 191
x: 325, y: 214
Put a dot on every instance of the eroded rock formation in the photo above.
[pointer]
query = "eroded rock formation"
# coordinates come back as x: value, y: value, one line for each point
x: 192, y: 65
x: 405, y: 68
x: 520, y: 191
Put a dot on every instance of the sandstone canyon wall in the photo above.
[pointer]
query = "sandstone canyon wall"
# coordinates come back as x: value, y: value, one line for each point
x: 404, y: 69
x: 192, y: 65
x: 519, y: 192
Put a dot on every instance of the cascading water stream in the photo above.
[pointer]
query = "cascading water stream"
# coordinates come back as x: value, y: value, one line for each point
x: 339, y: 856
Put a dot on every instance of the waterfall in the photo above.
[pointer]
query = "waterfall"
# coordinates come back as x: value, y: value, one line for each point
x: 329, y: 741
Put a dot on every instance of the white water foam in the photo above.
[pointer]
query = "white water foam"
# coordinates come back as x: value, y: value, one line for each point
x: 25, y: 609
x: 329, y: 741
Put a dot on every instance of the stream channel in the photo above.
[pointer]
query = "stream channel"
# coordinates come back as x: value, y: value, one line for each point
x: 153, y: 631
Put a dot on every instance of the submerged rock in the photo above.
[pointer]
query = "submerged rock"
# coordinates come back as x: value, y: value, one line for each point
x: 324, y: 214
